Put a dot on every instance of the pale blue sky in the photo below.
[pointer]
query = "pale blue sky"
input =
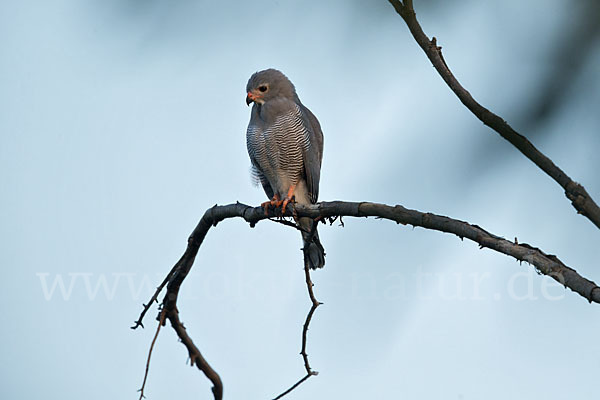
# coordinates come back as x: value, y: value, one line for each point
x: 123, y: 121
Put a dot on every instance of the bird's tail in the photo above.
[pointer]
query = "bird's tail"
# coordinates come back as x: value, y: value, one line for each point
x: 313, y: 250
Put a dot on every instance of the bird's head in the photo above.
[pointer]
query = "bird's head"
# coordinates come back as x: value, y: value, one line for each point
x: 268, y: 84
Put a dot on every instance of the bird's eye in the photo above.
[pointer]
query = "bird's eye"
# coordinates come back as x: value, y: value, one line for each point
x: 262, y: 88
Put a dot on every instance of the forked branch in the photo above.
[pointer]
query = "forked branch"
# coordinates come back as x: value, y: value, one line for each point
x: 544, y: 263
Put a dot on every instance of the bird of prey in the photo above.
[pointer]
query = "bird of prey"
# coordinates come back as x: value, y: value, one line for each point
x: 285, y: 144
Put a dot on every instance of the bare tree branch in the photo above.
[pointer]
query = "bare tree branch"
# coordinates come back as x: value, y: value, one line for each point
x: 314, y: 304
x: 181, y: 269
x: 581, y: 200
x: 544, y: 263
x: 161, y: 322
x: 153, y: 299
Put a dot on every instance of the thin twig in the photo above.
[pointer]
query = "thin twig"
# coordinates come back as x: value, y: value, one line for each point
x: 581, y: 200
x: 314, y: 304
x: 313, y: 308
x: 153, y: 298
x: 288, y: 223
x: 294, y: 386
x: 161, y: 322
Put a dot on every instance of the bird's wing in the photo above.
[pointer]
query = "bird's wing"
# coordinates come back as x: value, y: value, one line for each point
x: 313, y: 155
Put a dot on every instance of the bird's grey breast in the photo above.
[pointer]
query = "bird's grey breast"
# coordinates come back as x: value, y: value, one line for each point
x: 276, y: 147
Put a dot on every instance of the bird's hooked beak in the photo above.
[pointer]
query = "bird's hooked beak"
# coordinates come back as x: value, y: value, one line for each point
x: 251, y: 97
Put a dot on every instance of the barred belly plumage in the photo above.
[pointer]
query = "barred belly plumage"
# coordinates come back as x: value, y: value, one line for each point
x: 277, y: 149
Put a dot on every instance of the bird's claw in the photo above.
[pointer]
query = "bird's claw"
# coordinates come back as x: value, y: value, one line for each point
x: 274, y: 203
x: 287, y: 201
x: 277, y: 202
x: 288, y: 198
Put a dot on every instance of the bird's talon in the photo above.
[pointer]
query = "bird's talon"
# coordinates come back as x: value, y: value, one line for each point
x: 274, y: 202
x: 285, y: 203
x: 290, y: 197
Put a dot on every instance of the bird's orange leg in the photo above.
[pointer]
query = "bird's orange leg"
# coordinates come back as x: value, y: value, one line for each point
x: 288, y: 198
x: 275, y: 202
